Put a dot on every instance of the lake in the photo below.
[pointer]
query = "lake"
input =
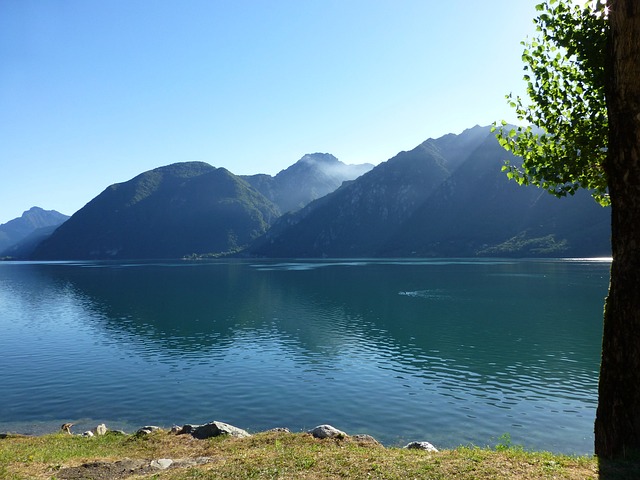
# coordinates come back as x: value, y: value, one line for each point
x: 450, y: 351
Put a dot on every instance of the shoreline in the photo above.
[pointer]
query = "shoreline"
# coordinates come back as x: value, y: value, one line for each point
x: 82, y: 426
x: 213, y: 429
x: 173, y: 455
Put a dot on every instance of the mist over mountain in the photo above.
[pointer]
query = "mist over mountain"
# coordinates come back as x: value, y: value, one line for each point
x: 169, y: 212
x: 446, y: 197
x: 312, y: 177
x: 361, y: 215
x: 16, y: 230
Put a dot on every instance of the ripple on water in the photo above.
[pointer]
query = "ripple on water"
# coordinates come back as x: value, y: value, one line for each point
x: 301, y: 343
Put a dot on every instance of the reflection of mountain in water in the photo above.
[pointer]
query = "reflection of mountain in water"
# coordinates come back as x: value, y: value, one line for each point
x: 188, y: 310
x: 447, y: 350
x: 425, y: 316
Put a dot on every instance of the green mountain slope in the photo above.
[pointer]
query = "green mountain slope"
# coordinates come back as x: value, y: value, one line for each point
x: 478, y: 211
x: 168, y: 212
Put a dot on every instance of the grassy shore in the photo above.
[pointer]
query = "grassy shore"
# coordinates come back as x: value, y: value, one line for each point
x: 279, y: 455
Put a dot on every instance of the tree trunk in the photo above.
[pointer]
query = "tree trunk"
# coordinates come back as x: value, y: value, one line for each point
x: 617, y: 426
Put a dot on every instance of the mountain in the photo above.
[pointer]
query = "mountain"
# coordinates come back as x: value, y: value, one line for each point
x: 169, y: 212
x: 23, y: 250
x: 312, y: 177
x: 446, y: 197
x: 478, y: 211
x: 361, y: 215
x: 20, y: 228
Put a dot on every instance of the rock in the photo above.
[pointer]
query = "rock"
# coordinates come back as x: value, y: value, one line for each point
x: 327, y: 431
x: 366, y: 439
x: 66, y: 427
x: 185, y: 429
x: 176, y: 430
x: 161, y: 463
x: 214, y: 429
x: 426, y: 446
x: 147, y: 430
x: 100, y: 429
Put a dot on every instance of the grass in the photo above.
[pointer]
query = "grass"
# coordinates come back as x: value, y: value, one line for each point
x: 290, y: 456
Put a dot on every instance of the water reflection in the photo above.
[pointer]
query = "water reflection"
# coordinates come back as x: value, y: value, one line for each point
x: 451, y: 351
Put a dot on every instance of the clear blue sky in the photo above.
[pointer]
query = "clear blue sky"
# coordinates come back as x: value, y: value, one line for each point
x: 94, y: 92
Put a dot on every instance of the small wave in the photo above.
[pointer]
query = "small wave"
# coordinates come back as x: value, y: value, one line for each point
x: 305, y: 265
x: 436, y: 294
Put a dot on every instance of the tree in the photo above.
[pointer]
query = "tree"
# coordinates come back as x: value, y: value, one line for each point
x: 583, y: 79
x: 617, y: 428
x: 563, y: 146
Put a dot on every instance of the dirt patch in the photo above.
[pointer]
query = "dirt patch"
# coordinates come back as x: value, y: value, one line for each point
x: 126, y: 468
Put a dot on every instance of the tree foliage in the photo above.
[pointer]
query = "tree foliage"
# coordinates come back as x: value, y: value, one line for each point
x: 564, y: 143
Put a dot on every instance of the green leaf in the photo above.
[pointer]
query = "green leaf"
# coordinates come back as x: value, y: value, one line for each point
x: 565, y: 84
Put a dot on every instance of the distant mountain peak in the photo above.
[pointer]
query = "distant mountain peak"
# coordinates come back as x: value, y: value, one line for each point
x: 35, y: 210
x: 313, y: 158
x: 313, y: 176
x: 38, y: 217
x: 16, y: 230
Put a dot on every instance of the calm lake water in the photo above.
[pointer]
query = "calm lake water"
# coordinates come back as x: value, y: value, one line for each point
x: 449, y: 351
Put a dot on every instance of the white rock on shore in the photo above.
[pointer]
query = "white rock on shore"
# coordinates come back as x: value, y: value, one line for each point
x: 100, y: 429
x: 327, y: 431
x: 426, y: 446
x: 215, y: 428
